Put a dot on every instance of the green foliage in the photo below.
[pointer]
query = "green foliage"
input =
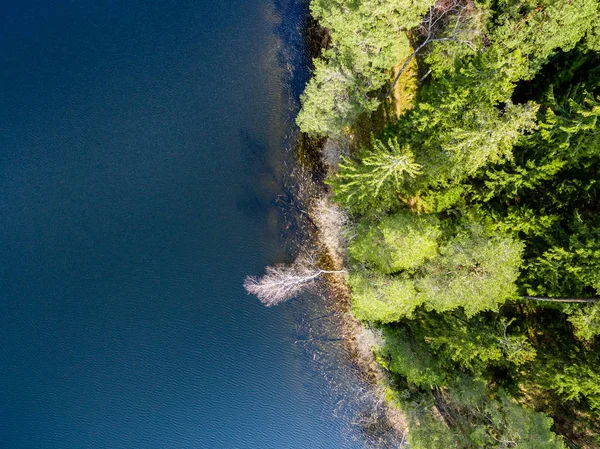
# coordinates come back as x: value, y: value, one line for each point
x: 570, y: 124
x: 484, y: 421
x: 517, y: 349
x: 441, y: 200
x: 459, y: 343
x: 333, y: 99
x: 473, y: 343
x: 551, y: 189
x: 457, y: 140
x: 428, y: 431
x: 486, y: 190
x: 381, y: 298
x: 373, y: 181
x: 486, y: 136
x: 516, y: 426
x: 574, y: 377
x: 474, y: 271
x: 546, y: 27
x: 458, y: 42
x: 411, y: 358
x: 515, y: 180
x: 563, y: 271
x: 457, y: 126
x: 367, y: 34
x: 368, y: 38
x: 586, y: 321
x: 403, y: 241
x: 592, y: 38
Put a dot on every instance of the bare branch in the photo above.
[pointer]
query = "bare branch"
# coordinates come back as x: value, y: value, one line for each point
x: 282, y: 282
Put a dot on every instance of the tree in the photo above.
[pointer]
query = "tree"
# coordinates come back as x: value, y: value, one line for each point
x: 382, y: 299
x: 368, y: 38
x: 403, y: 241
x: 485, y: 191
x: 333, y: 99
x: 469, y: 417
x: 548, y: 196
x: 475, y: 271
x: 447, y: 21
x: 472, y: 344
x: 282, y: 282
x: 456, y: 128
x: 593, y: 35
x: 586, y: 321
x: 538, y: 29
x: 572, y: 374
x: 486, y: 135
x: 377, y: 178
x: 411, y: 358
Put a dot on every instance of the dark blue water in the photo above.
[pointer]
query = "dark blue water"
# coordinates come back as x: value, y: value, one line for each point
x: 141, y: 146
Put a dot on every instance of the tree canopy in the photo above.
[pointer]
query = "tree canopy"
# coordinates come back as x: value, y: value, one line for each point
x: 483, y: 192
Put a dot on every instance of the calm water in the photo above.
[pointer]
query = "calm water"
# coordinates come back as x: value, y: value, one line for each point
x: 141, y: 145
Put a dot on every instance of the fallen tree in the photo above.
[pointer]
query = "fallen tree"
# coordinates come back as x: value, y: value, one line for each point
x: 282, y: 282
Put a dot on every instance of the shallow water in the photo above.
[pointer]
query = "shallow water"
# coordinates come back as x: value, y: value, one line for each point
x: 142, y: 148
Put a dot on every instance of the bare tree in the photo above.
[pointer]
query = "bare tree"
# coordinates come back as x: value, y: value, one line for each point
x: 447, y: 20
x: 282, y: 282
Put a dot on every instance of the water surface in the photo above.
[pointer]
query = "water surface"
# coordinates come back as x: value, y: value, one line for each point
x: 141, y: 151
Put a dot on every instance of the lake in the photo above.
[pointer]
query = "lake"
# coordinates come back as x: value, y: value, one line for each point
x: 143, y: 146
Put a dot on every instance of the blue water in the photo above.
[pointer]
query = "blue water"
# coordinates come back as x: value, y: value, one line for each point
x: 141, y: 151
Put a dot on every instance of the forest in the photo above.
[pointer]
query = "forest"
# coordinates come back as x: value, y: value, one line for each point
x: 470, y: 170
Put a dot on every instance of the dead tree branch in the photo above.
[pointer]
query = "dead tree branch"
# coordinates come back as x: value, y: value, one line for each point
x: 282, y: 282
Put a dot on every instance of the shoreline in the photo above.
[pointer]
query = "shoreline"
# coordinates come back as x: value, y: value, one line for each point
x: 320, y: 157
x: 358, y: 341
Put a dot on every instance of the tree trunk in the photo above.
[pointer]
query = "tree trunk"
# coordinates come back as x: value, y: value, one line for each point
x: 545, y: 298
